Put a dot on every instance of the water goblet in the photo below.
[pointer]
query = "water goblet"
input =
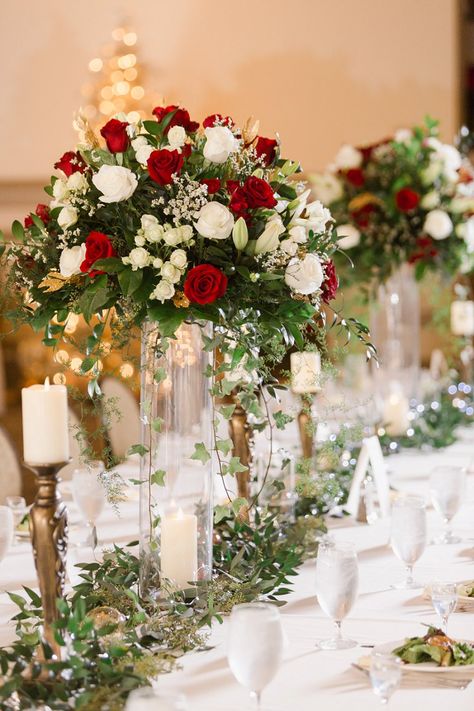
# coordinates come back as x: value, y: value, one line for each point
x: 18, y: 507
x: 444, y: 597
x: 255, y: 645
x: 6, y: 530
x: 337, y: 579
x: 385, y: 675
x: 408, y: 535
x: 447, y: 488
x: 149, y: 699
x: 89, y: 496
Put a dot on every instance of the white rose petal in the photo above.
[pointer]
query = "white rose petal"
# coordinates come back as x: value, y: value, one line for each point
x: 77, y: 182
x: 143, y: 154
x: 138, y: 142
x: 140, y: 240
x: 157, y: 263
x: 327, y: 188
x: 163, y: 291
x: 220, y: 143
x: 298, y: 234
x: 71, y: 259
x: 317, y: 216
x: 446, y: 155
x: 60, y: 192
x: 289, y: 247
x: 304, y: 276
x: 348, y: 157
x: 115, y: 182
x: 438, y: 224
x: 170, y: 272
x: 178, y: 258
x: 176, y: 137
x: 348, y: 236
x: 138, y: 258
x: 67, y: 217
x: 215, y: 220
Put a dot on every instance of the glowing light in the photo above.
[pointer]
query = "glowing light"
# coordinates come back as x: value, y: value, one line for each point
x: 126, y: 61
x: 118, y: 33
x: 130, y: 39
x: 138, y: 92
x: 59, y: 379
x: 127, y: 370
x: 95, y: 65
x: 133, y: 116
x: 107, y: 92
x: 90, y: 111
x: 130, y: 74
x: 106, y: 108
x: 71, y: 323
x: 116, y: 76
x: 76, y: 364
x: 121, y: 88
x: 61, y: 357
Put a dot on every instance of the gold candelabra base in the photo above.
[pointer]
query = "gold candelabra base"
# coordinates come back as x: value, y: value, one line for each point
x: 240, y: 432
x: 304, y: 426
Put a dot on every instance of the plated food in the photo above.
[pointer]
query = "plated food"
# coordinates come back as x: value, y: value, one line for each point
x: 436, y: 649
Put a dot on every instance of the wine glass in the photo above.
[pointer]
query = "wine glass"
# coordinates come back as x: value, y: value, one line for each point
x: 385, y: 675
x: 447, y: 487
x: 337, y: 579
x: 444, y: 597
x: 149, y: 699
x: 408, y: 535
x: 255, y: 645
x: 6, y: 530
x: 89, y: 496
x: 18, y: 507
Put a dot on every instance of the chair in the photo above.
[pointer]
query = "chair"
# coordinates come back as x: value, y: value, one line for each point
x: 10, y: 470
x: 123, y: 431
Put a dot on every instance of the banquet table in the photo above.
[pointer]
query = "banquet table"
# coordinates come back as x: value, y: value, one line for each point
x: 310, y: 678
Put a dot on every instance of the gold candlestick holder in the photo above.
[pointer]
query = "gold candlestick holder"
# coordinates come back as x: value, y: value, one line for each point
x: 305, y: 426
x: 49, y: 532
x: 240, y: 432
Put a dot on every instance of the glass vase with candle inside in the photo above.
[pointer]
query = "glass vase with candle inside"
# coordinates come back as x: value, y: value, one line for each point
x: 176, y: 502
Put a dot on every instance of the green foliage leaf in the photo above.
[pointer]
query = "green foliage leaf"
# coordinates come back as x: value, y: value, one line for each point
x: 201, y: 454
x: 158, y: 477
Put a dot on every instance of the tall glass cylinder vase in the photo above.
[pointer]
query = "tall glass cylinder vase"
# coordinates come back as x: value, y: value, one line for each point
x: 395, y: 330
x: 176, y: 500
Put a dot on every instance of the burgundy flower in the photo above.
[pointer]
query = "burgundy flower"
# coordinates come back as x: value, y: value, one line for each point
x: 116, y: 136
x: 355, y: 177
x: 406, y: 199
x: 330, y: 285
x: 213, y: 185
x: 266, y: 147
x: 98, y: 246
x: 204, y: 284
x: 258, y: 193
x: 181, y: 118
x: 43, y: 213
x: 71, y: 162
x: 163, y: 164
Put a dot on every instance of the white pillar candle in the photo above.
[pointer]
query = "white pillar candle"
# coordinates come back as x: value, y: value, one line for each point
x: 395, y: 414
x: 45, y: 424
x: 305, y: 371
x: 179, y: 547
x: 462, y: 318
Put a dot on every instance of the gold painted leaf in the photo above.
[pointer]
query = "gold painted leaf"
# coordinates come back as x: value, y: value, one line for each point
x: 362, y: 200
x: 55, y: 281
x: 250, y: 130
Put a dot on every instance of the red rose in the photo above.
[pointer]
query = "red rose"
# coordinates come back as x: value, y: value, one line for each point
x: 406, y: 199
x: 238, y: 203
x: 98, y: 246
x: 355, y: 177
x: 231, y: 185
x: 425, y: 251
x: 258, y: 193
x: 43, y: 213
x: 186, y: 150
x: 204, y: 284
x: 217, y: 119
x: 362, y: 217
x: 115, y: 134
x: 330, y: 284
x: 71, y: 162
x: 266, y: 147
x: 213, y: 185
x: 163, y: 164
x: 181, y: 118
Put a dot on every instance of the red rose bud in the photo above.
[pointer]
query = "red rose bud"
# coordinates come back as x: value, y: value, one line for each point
x: 204, y: 284
x: 258, y: 193
x: 217, y: 120
x: 43, y: 213
x: 115, y: 134
x: 406, y: 199
x: 181, y: 118
x: 266, y: 147
x: 213, y: 185
x: 98, y: 246
x: 71, y: 162
x: 330, y: 285
x: 163, y: 164
x: 355, y: 177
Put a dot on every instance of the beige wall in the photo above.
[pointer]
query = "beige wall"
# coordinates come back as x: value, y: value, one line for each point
x: 317, y: 71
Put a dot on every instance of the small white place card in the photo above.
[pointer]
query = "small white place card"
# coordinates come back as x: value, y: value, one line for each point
x: 371, y: 455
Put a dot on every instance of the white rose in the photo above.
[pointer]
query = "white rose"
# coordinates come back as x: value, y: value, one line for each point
x: 71, y: 259
x: 317, y: 216
x: 403, y: 135
x: 348, y: 157
x: 430, y: 200
x: 299, y: 204
x: 448, y: 156
x: 157, y: 263
x: 140, y: 240
x: 77, y: 182
x: 289, y: 247
x: 178, y: 258
x: 60, y: 192
x: 67, y: 217
x: 170, y: 272
x: 115, y: 182
x: 468, y: 235
x: 176, y: 137
x: 220, y: 143
x: 327, y: 188
x: 268, y: 240
x: 138, y: 258
x: 163, y: 291
x: 138, y: 142
x: 304, y: 276
x: 462, y: 204
x: 438, y: 224
x: 142, y: 149
x: 431, y: 172
x: 175, y: 235
x: 215, y: 220
x: 152, y: 230
x: 348, y: 236
x: 298, y: 234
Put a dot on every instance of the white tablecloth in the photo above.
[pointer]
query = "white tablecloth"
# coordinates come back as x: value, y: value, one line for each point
x: 312, y: 679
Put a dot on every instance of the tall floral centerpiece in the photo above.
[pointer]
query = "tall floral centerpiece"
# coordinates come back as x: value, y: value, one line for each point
x: 202, y: 239
x: 401, y: 211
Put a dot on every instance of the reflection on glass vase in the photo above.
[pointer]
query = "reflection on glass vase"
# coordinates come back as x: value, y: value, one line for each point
x: 176, y: 501
x: 395, y: 330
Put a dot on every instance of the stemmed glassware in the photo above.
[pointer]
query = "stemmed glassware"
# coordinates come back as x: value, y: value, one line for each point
x: 255, y: 645
x: 18, y: 507
x: 6, y: 530
x: 408, y: 535
x: 444, y: 597
x: 447, y: 488
x: 89, y: 496
x: 385, y: 675
x: 337, y: 579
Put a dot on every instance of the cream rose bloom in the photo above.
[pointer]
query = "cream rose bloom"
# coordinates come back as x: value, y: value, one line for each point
x: 215, y: 220
x: 438, y: 224
x: 163, y: 291
x: 327, y: 188
x: 289, y: 246
x: 176, y: 235
x: 430, y: 200
x: 142, y: 149
x: 317, y: 217
x: 447, y: 156
x: 71, y: 259
x: 151, y: 228
x: 304, y: 276
x: 115, y: 182
x: 298, y: 234
x: 67, y: 217
x: 347, y: 157
x: 176, y: 137
x: 77, y: 182
x: 179, y: 259
x: 60, y: 193
x: 170, y: 272
x: 220, y: 143
x: 348, y: 236
x: 138, y: 258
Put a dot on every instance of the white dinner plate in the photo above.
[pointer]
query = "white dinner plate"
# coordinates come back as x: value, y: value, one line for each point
x: 388, y: 647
